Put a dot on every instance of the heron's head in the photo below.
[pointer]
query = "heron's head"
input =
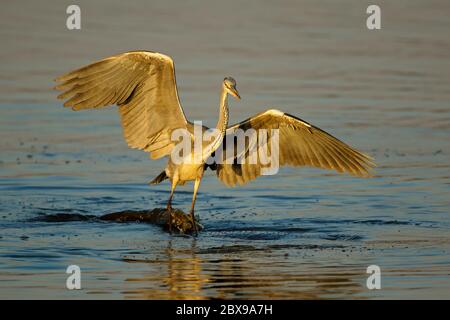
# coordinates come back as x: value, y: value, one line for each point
x: 230, y: 86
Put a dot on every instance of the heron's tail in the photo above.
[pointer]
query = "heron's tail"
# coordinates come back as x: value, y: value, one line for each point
x: 161, y: 177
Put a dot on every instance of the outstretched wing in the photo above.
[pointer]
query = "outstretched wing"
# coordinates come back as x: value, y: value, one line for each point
x: 300, y: 144
x: 143, y: 85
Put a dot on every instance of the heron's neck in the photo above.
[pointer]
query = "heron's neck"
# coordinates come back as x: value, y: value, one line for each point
x: 221, y: 126
x: 222, y: 123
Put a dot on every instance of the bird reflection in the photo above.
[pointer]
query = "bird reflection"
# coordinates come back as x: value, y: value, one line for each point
x: 187, y: 272
x: 181, y: 277
x: 184, y: 279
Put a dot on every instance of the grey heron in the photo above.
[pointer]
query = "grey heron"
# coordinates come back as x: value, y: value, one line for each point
x: 142, y: 84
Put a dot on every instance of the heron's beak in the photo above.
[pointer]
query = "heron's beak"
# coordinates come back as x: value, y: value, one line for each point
x: 235, y: 93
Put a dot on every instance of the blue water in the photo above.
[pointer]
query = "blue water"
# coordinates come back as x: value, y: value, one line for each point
x: 304, y: 233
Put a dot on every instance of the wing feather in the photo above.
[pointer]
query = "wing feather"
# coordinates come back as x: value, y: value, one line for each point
x: 300, y: 144
x: 142, y: 84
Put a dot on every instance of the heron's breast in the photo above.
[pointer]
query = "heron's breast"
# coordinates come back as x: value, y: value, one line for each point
x: 185, y: 171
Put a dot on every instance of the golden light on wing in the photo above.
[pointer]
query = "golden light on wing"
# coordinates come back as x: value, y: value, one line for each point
x: 300, y: 144
x: 143, y: 85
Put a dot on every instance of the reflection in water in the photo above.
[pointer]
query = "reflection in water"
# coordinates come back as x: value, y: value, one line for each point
x: 181, y: 279
x: 186, y: 274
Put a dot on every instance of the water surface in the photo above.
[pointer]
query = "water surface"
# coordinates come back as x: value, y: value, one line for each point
x: 304, y: 233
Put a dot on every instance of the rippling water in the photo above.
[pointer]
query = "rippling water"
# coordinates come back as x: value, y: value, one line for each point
x: 304, y: 233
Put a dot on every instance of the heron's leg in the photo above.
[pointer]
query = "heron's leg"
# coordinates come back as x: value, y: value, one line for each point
x: 169, y: 203
x: 194, y: 197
